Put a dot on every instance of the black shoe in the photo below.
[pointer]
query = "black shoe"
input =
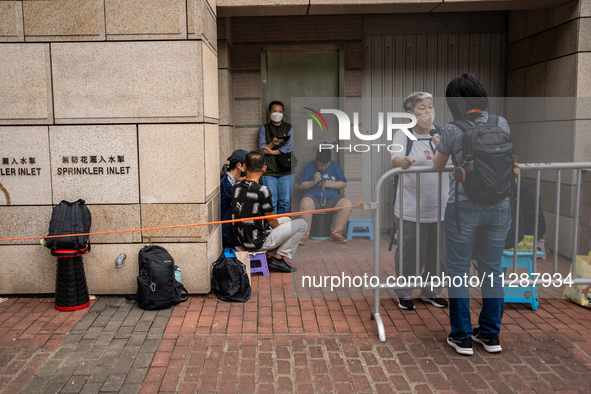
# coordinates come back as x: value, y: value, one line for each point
x: 437, y: 300
x: 490, y: 344
x: 406, y: 303
x: 462, y: 346
x: 280, y: 265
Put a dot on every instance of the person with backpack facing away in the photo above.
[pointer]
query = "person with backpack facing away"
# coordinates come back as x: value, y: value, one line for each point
x: 236, y: 172
x: 478, y: 212
x: 419, y: 153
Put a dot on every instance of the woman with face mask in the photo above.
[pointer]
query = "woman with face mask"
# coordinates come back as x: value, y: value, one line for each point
x: 275, y: 139
x: 419, y: 153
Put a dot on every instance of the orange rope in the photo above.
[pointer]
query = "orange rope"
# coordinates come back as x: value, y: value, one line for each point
x: 192, y: 225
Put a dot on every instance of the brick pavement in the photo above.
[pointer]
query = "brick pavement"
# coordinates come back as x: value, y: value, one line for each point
x: 31, y: 329
x: 279, y: 343
x: 109, y: 350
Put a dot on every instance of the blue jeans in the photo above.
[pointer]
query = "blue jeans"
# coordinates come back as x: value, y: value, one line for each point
x: 280, y: 187
x: 482, y: 237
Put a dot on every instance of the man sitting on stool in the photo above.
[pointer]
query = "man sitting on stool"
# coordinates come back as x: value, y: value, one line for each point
x: 322, y: 179
x: 278, y: 236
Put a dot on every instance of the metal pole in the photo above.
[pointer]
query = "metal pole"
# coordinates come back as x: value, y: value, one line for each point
x: 418, y: 226
x: 556, y: 229
x: 576, y: 230
x: 517, y: 208
x: 400, y: 224
x: 438, y: 258
x: 536, y: 221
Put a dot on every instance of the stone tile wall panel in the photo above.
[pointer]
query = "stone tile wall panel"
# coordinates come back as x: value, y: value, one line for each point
x: 562, y: 76
x: 120, y: 82
x: 225, y: 80
x: 11, y: 21
x: 25, y: 84
x: 201, y: 21
x: 164, y: 215
x: 26, y: 178
x: 97, y: 163
x: 224, y: 29
x: 212, y: 157
x: 224, y: 54
x: 172, y: 167
x: 32, y: 269
x: 210, y: 85
x: 564, y: 13
x: 24, y: 221
x: 226, y: 143
x: 115, y: 218
x: 64, y: 20
x: 146, y: 19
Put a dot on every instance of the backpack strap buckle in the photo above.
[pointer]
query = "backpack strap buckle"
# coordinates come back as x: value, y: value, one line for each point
x: 152, y: 287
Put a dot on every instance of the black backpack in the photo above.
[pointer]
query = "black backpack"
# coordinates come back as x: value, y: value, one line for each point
x: 486, y: 170
x: 69, y: 218
x: 229, y: 279
x: 156, y: 286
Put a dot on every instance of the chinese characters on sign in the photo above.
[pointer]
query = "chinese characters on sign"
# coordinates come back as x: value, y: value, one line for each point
x: 77, y: 165
x: 23, y: 166
x: 70, y: 165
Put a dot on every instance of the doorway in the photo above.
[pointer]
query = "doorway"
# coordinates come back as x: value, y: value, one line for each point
x: 297, y: 71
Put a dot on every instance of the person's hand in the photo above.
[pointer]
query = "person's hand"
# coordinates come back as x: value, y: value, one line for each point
x: 324, y: 183
x: 277, y: 141
x: 316, y: 177
x: 435, y: 140
x: 406, y: 162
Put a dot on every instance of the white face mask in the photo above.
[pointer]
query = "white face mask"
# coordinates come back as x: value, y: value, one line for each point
x: 276, y: 117
x: 426, y: 120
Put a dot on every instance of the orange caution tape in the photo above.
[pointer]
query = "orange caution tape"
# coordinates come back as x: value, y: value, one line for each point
x: 192, y: 225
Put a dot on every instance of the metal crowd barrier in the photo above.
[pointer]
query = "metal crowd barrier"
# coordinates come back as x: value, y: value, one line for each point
x: 537, y: 167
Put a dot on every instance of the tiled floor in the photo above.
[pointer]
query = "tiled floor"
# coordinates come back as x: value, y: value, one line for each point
x: 276, y: 342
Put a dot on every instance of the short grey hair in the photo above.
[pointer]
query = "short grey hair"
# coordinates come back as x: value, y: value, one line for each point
x: 411, y: 101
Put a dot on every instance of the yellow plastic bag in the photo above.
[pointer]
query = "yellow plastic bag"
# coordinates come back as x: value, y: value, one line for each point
x: 526, y: 245
x: 580, y: 294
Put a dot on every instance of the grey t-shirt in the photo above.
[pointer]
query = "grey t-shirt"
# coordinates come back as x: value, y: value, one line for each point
x: 451, y: 142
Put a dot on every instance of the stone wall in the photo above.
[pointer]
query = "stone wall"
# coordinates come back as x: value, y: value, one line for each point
x: 114, y: 102
x: 549, y: 56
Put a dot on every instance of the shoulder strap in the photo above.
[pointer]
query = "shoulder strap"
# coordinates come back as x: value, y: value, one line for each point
x: 185, y: 296
x: 408, y: 145
x: 268, y: 134
x: 408, y: 149
x: 462, y: 124
x: 493, y: 119
x: 74, y: 225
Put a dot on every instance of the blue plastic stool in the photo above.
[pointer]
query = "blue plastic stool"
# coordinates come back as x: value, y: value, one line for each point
x: 519, y: 294
x: 364, y: 228
x: 258, y: 263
